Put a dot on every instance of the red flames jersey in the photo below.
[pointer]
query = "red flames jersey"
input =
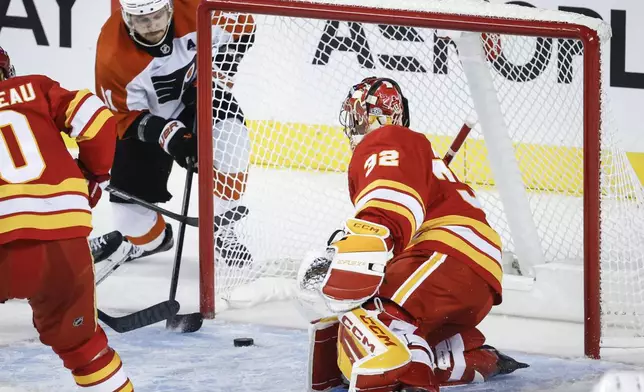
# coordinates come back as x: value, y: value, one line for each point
x: 43, y: 194
x: 397, y: 180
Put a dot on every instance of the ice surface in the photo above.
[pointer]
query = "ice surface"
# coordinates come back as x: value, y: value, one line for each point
x: 158, y: 360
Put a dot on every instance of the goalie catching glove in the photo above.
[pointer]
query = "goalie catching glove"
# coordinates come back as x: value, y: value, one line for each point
x: 357, y: 267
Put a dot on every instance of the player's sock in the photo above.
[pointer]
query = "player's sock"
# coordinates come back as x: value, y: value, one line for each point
x: 96, y: 367
x: 103, y: 374
x: 153, y: 237
x: 138, y: 252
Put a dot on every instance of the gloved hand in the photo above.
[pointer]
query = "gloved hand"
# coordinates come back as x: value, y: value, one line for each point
x: 180, y: 142
x: 95, y: 184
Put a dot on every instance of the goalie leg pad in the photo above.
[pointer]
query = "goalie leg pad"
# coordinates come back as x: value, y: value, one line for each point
x: 370, y: 355
x: 323, y: 371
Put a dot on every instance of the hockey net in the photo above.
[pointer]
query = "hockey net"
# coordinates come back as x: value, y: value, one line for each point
x: 544, y: 156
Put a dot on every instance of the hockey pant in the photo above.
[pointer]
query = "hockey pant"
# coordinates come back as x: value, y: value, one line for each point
x: 57, y: 277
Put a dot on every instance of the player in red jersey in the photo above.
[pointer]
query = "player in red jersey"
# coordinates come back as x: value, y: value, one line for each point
x: 45, y: 217
x: 416, y: 269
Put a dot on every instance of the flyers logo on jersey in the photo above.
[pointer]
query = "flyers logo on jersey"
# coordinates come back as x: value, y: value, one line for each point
x: 170, y: 87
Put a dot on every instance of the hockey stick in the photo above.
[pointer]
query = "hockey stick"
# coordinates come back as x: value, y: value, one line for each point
x: 154, y: 314
x: 191, y: 221
x: 470, y: 122
x: 232, y: 215
x: 190, y: 322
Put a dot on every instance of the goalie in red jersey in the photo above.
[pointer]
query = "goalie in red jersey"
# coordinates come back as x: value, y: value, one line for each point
x: 45, y: 217
x: 415, y: 270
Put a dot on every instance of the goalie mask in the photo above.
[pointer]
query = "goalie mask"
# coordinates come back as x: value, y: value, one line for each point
x: 6, y: 69
x: 371, y: 104
x: 148, y: 20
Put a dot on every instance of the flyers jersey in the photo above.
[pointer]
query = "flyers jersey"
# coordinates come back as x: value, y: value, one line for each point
x: 43, y: 194
x: 397, y: 180
x: 132, y: 79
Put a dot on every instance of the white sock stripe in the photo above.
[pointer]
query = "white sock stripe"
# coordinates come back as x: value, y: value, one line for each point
x: 110, y: 385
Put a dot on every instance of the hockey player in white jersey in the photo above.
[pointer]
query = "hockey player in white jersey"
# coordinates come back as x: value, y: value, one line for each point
x: 146, y: 72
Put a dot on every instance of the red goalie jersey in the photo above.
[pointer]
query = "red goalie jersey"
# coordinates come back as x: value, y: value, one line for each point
x: 397, y: 180
x: 43, y: 194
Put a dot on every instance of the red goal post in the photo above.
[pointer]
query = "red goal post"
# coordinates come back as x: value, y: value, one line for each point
x: 421, y: 19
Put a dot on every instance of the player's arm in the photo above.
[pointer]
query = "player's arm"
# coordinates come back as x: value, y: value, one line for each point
x: 233, y: 36
x: 391, y: 181
x: 84, y: 117
x: 173, y: 136
x: 388, y: 177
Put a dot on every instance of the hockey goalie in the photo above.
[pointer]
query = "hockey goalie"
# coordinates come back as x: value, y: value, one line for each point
x: 413, y: 273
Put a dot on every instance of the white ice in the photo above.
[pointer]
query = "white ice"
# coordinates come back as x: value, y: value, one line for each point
x: 159, y: 360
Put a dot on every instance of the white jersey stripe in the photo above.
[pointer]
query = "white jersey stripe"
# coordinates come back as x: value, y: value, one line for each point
x: 401, y: 198
x: 43, y: 205
x: 84, y: 114
x: 476, y: 240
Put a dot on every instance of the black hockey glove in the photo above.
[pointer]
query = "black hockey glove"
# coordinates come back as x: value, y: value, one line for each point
x: 229, y: 56
x: 178, y: 140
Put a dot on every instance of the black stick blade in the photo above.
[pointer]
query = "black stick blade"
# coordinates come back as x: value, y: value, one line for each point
x: 185, y: 323
x: 152, y: 315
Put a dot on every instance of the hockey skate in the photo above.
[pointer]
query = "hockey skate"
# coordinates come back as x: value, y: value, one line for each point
x: 105, y: 245
x: 505, y: 363
x: 168, y: 242
x: 227, y: 244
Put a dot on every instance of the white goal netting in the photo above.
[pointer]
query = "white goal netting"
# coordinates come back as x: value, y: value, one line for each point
x: 524, y: 157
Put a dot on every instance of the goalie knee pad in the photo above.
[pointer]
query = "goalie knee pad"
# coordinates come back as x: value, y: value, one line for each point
x: 370, y: 355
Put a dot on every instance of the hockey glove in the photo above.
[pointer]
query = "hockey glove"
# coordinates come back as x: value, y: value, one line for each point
x: 179, y: 141
x: 95, y: 184
x: 358, y: 265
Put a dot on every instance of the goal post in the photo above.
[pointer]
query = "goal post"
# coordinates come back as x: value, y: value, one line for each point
x: 543, y: 158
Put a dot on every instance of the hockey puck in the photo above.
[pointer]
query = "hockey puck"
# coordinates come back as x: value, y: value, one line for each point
x: 243, y: 342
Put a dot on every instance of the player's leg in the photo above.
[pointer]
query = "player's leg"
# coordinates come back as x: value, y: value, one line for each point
x: 231, y: 154
x: 357, y: 350
x: 64, y: 310
x: 442, y: 295
x: 465, y: 358
x: 142, y: 170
